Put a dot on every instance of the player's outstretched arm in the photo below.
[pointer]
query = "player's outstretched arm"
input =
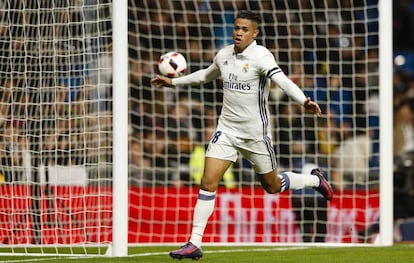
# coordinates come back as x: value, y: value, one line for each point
x: 198, y: 77
x: 312, y: 107
x: 293, y: 91
x: 161, y: 81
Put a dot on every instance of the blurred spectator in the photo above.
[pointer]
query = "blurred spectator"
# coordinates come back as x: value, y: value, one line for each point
x: 291, y: 139
x: 404, y: 159
x: 98, y: 138
x: 10, y: 157
x: 403, y: 129
x: 155, y: 144
x: 181, y: 130
x: 404, y: 155
x: 5, y: 100
x: 199, y: 53
x: 57, y: 143
x: 339, y: 100
x: 350, y: 160
x: 139, y: 166
x: 101, y: 80
x: 328, y: 136
x: 403, y: 25
x: 11, y: 161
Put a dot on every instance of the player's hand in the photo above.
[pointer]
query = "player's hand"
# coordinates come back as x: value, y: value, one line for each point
x: 312, y: 107
x: 161, y: 81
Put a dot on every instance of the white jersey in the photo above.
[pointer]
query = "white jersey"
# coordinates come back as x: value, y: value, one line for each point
x: 246, y: 87
x: 245, y: 90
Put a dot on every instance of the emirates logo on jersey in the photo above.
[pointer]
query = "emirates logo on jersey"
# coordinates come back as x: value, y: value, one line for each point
x: 236, y: 85
x: 245, y: 68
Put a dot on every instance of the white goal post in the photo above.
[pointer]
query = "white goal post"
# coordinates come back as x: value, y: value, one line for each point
x: 56, y: 127
x: 95, y: 159
x: 120, y: 134
x: 386, y: 123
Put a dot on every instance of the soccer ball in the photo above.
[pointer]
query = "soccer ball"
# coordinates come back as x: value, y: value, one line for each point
x: 172, y: 64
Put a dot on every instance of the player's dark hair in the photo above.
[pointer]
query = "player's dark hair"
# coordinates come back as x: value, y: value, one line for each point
x: 247, y: 14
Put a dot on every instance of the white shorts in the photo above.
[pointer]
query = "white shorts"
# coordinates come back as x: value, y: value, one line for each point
x: 259, y: 152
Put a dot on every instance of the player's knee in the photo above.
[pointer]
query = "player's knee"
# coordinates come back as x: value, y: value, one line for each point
x: 270, y: 182
x: 208, y: 185
x: 271, y: 189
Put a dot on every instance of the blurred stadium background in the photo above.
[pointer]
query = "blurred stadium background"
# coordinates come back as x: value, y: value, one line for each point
x: 56, y: 121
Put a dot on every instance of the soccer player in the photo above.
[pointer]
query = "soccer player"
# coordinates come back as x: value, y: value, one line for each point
x: 243, y: 126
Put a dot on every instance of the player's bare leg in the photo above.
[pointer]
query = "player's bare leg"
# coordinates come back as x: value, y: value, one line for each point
x: 213, y: 172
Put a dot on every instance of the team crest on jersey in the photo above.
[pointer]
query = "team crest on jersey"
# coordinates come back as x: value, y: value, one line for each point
x: 245, y: 68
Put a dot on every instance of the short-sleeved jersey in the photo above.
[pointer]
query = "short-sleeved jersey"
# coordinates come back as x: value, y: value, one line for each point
x: 246, y: 87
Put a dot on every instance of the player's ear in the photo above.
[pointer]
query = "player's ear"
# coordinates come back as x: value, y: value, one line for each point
x: 256, y: 32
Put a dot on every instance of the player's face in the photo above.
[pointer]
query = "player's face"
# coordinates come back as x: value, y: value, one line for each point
x: 244, y: 33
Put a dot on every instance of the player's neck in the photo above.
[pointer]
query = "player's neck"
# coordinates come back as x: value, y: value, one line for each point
x: 239, y: 50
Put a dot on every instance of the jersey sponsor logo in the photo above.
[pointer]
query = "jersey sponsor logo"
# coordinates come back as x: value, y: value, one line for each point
x: 232, y: 83
x: 228, y: 84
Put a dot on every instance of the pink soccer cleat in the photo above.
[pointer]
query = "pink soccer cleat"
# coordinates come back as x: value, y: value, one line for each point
x: 324, y: 187
x: 187, y: 251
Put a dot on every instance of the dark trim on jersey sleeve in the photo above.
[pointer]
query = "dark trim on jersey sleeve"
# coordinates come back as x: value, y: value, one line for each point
x: 273, y: 71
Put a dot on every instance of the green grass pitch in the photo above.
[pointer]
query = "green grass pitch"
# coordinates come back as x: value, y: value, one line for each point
x: 247, y: 254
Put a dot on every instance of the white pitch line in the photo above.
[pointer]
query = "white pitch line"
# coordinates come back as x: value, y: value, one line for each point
x: 29, y: 260
x: 222, y: 251
x: 226, y: 251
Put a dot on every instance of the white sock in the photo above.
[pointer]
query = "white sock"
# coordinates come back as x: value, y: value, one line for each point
x: 202, y: 211
x: 294, y: 181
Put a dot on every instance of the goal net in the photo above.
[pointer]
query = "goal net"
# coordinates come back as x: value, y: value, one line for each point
x: 330, y: 49
x: 56, y: 121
